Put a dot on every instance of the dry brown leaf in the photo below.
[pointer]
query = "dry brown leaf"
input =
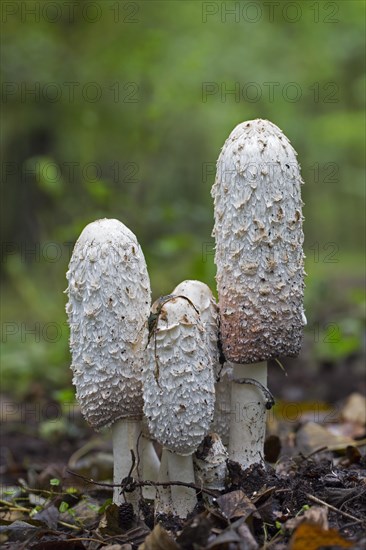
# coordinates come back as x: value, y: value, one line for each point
x: 354, y: 409
x: 246, y: 537
x: 236, y: 505
x: 311, y: 537
x: 224, y: 539
x: 159, y: 539
x: 312, y: 436
x: 316, y: 515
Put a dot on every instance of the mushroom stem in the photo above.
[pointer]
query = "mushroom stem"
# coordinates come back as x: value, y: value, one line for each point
x: 181, y: 469
x: 150, y: 466
x: 125, y: 433
x: 248, y: 419
x: 163, y: 501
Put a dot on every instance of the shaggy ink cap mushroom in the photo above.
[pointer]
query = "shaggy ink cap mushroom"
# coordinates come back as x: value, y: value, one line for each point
x: 259, y: 237
x: 179, y: 392
x: 178, y: 379
x: 260, y: 269
x: 109, y: 303
x: 201, y: 296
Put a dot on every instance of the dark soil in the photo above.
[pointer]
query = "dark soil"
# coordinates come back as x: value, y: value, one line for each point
x: 260, y: 507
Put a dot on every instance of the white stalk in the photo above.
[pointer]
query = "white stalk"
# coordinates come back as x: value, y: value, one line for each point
x: 150, y: 466
x: 248, y: 419
x: 163, y: 501
x: 125, y: 433
x: 181, y: 469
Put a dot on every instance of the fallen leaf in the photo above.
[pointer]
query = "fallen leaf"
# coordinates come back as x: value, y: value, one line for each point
x: 49, y: 516
x: 236, y: 505
x: 312, y: 436
x: 18, y: 530
x: 196, y: 532
x: 225, y: 538
x: 109, y: 524
x: 246, y: 538
x: 354, y: 409
x: 159, y: 539
x: 316, y: 515
x: 312, y: 537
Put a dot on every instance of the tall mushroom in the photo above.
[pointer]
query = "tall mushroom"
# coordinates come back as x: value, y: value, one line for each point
x: 108, y: 308
x: 178, y: 391
x: 260, y: 269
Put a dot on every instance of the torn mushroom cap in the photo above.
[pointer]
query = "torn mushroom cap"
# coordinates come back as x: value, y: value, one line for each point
x: 210, y: 463
x: 259, y: 237
x: 178, y: 379
x: 201, y: 296
x: 108, y: 307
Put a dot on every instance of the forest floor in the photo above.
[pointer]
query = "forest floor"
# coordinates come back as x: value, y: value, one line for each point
x: 310, y: 494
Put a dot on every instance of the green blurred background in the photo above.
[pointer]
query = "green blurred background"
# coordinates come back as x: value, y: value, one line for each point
x: 130, y: 106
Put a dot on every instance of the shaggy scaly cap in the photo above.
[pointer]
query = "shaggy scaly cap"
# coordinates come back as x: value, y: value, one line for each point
x: 259, y: 237
x: 108, y: 308
x: 178, y: 379
x: 202, y: 298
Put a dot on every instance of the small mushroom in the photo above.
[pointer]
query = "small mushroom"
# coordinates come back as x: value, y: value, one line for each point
x: 108, y: 308
x: 178, y: 391
x: 260, y: 270
x: 210, y: 463
x: 201, y: 296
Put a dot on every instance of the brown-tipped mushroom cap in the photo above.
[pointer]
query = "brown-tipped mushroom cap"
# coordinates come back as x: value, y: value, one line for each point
x: 108, y: 308
x: 259, y: 237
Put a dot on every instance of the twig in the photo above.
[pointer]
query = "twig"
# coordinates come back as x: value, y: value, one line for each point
x: 356, y: 494
x: 69, y: 525
x: 130, y: 486
x: 270, y: 400
x: 333, y: 508
x: 319, y: 450
x: 13, y: 506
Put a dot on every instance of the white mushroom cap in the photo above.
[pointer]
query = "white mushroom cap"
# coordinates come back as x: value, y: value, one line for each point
x: 259, y: 237
x: 108, y: 308
x: 201, y: 296
x: 210, y: 463
x: 178, y: 381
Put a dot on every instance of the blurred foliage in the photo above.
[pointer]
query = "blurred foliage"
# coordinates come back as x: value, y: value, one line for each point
x: 118, y: 125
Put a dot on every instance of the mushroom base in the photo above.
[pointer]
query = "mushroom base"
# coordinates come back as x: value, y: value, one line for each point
x: 150, y: 466
x: 163, y: 500
x: 181, y: 469
x: 125, y: 434
x: 248, y: 416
